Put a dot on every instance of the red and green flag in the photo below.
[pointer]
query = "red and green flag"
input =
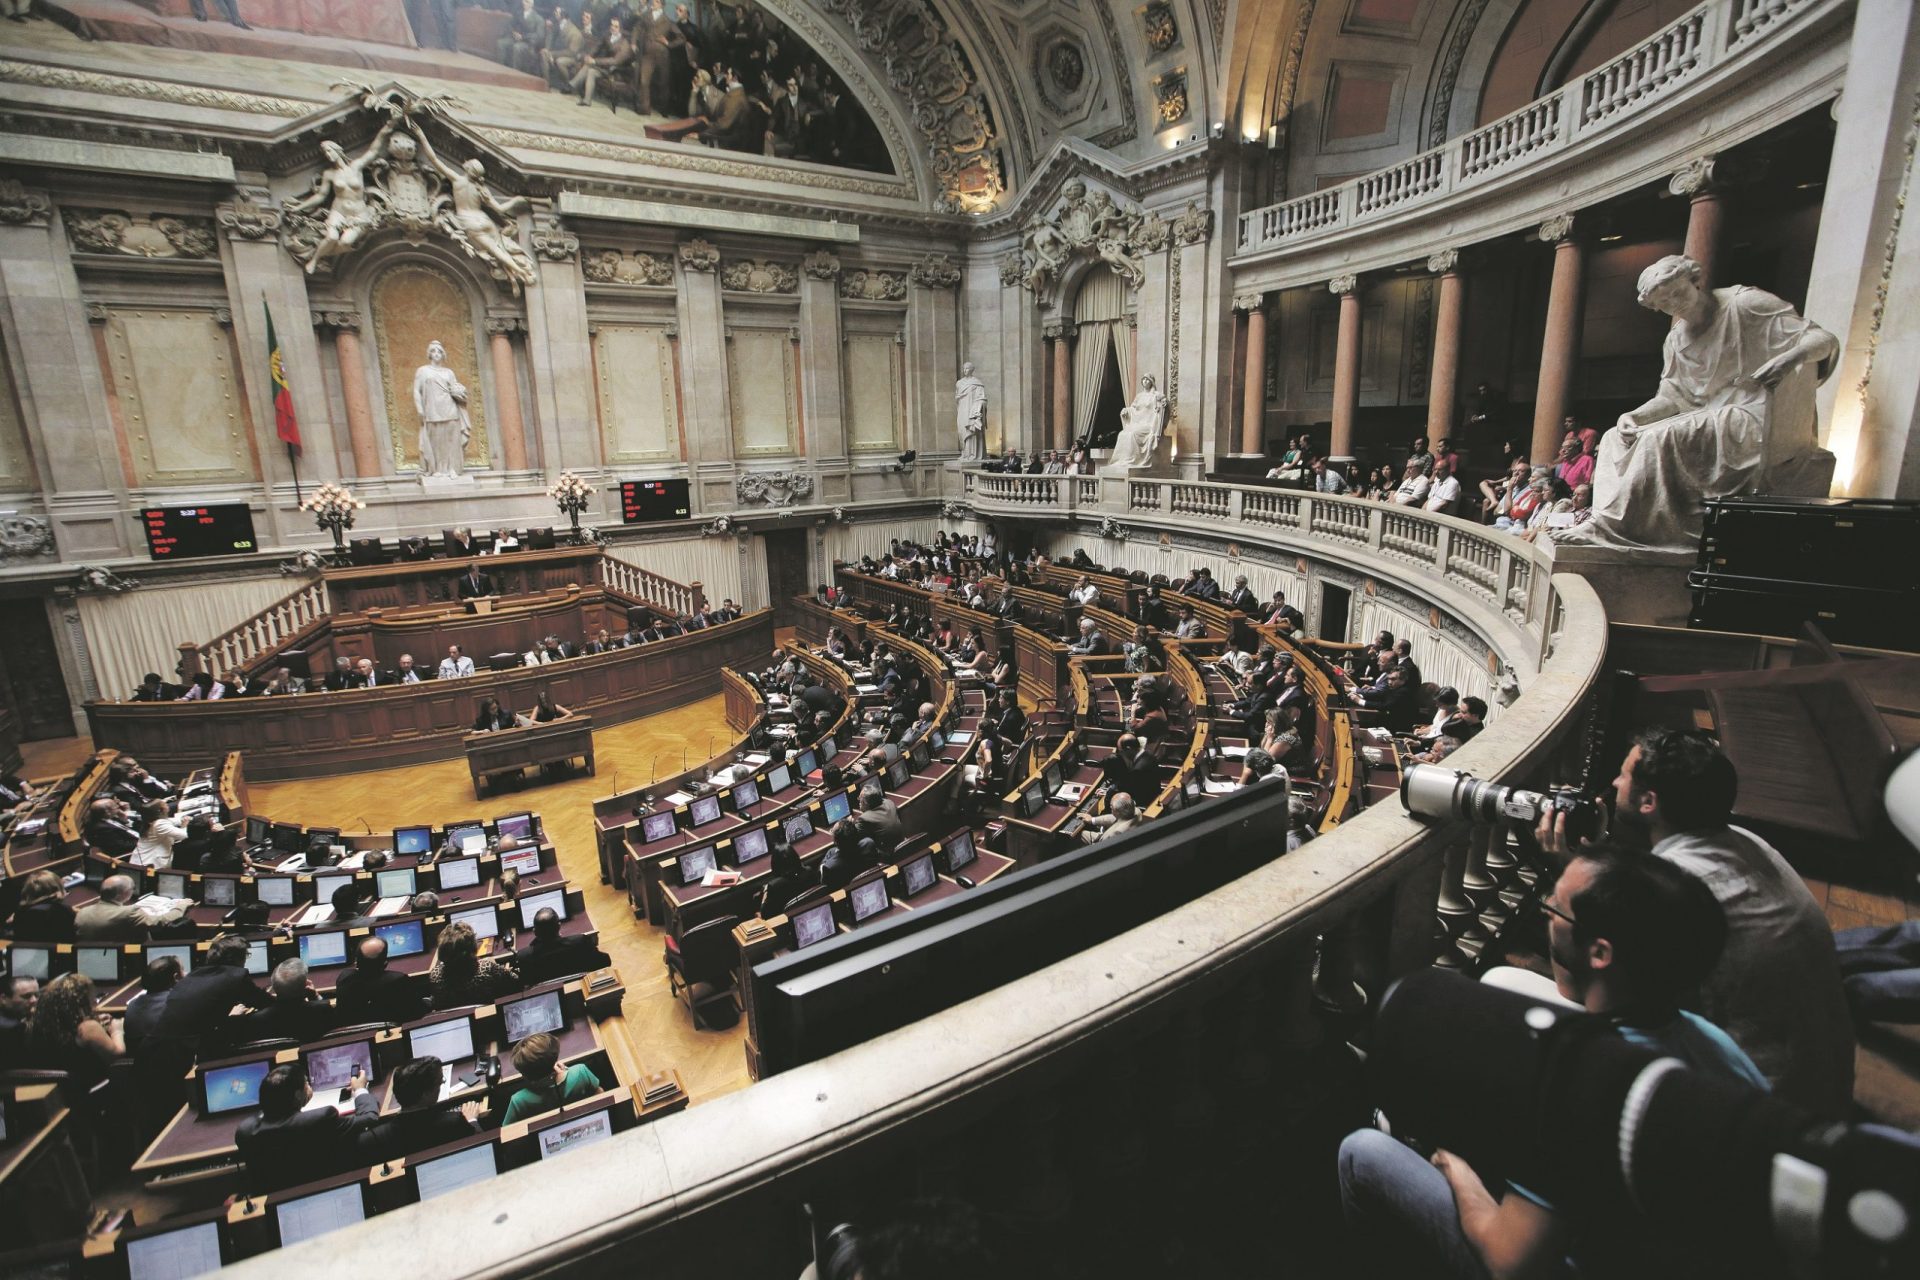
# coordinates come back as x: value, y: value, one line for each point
x: 285, y: 424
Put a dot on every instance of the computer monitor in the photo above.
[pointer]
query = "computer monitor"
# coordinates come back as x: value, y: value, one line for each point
x: 812, y: 924
x: 176, y: 1254
x: 835, y: 808
x: 259, y: 831
x: 102, y: 964
x: 658, y: 826
x: 170, y: 884
x: 920, y: 754
x: 529, y: 1014
x: 937, y: 738
x: 31, y: 962
x: 414, y: 840
x: 575, y: 1132
x: 219, y: 891
x: 917, y: 873
x: 515, y: 826
x: 1194, y: 789
x: 745, y: 794
x: 798, y: 827
x: 366, y: 551
x: 704, y: 810
x: 484, y: 921
x: 1033, y: 799
x: 828, y: 750
x: 1175, y: 801
x: 695, y: 863
x: 779, y: 778
x: 868, y: 898
x: 459, y: 873
x: 394, y: 882
x: 807, y: 762
x: 450, y: 1040
x: 447, y: 1173
x: 181, y: 951
x: 321, y: 1212
x: 234, y: 1087
x: 403, y: 938
x: 331, y: 1066
x: 522, y: 862
x: 467, y: 837
x: 320, y: 841
x: 749, y: 846
x: 287, y: 838
x: 959, y: 850
x: 960, y: 737
x: 324, y: 887
x: 275, y: 891
x: 897, y: 774
x: 257, y: 964
x: 322, y: 949
x: 531, y: 904
x: 1052, y: 776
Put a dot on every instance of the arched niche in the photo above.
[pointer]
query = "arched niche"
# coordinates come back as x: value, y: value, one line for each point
x: 1104, y: 352
x: 414, y: 300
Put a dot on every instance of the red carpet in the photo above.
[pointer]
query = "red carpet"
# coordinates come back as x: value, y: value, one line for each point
x: 370, y: 34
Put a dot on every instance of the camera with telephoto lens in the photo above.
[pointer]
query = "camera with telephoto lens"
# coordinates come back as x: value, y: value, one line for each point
x: 1435, y: 791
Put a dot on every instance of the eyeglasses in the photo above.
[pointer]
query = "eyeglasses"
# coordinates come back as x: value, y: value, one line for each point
x: 1546, y: 905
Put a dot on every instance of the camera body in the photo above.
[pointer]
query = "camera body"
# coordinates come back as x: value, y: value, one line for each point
x: 1435, y: 791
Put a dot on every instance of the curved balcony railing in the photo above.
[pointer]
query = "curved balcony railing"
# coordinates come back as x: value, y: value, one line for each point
x: 1606, y: 101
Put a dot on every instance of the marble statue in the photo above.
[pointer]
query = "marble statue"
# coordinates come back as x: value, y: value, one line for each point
x: 475, y: 209
x: 441, y: 402
x: 343, y: 190
x: 1734, y: 413
x: 970, y: 402
x: 1141, y: 425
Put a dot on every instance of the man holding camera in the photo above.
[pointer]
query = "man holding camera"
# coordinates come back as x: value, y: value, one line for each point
x: 1777, y: 987
x: 1629, y: 936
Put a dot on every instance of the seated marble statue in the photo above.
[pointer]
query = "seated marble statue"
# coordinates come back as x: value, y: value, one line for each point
x: 1734, y: 414
x: 1142, y: 423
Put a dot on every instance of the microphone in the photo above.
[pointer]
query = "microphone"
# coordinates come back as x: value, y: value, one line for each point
x: 367, y: 825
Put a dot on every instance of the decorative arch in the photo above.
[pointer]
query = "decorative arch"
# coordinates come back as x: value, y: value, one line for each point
x: 413, y: 298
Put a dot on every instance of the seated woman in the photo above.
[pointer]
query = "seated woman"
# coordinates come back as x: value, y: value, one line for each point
x: 789, y: 880
x: 546, y: 709
x: 159, y: 832
x: 973, y: 654
x: 460, y: 977
x: 547, y: 1087
x: 492, y: 716
x: 67, y: 1035
x: 43, y: 914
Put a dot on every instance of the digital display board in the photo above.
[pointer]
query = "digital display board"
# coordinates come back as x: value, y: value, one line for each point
x: 645, y: 501
x: 180, y: 533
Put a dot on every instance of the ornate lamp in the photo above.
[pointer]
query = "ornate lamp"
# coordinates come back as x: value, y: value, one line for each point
x: 333, y: 506
x: 570, y: 494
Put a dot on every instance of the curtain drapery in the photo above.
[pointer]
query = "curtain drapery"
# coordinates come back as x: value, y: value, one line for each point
x: 129, y: 635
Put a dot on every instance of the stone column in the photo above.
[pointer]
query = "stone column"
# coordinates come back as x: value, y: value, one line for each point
x: 1704, y: 215
x: 703, y: 350
x: 1060, y: 334
x: 345, y: 327
x: 1346, y: 366
x: 1560, y: 347
x: 1443, y: 379
x: 1253, y: 407
x: 506, y: 386
x: 559, y: 348
x: 820, y: 357
x: 933, y: 354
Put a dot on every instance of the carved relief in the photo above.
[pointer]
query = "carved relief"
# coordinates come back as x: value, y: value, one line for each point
x: 154, y: 236
x: 21, y: 207
x: 935, y: 271
x: 699, y: 255
x: 24, y: 537
x: 1158, y: 25
x: 1340, y: 286
x: 248, y: 218
x: 821, y: 265
x: 1066, y: 66
x: 611, y: 266
x: 1088, y: 224
x: 555, y: 243
x: 774, y: 488
x: 1444, y: 262
x: 1170, y: 97
x: 349, y: 321
x: 866, y: 285
x: 1011, y: 269
x: 1194, y: 225
x: 1249, y: 301
x: 757, y: 275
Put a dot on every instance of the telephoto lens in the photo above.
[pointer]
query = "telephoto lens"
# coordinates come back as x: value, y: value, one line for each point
x: 1435, y: 791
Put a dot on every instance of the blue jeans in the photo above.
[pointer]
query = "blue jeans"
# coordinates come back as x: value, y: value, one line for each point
x: 1880, y: 969
x: 1400, y: 1211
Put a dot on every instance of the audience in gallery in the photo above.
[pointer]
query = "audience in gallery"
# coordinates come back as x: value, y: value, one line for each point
x: 549, y: 1086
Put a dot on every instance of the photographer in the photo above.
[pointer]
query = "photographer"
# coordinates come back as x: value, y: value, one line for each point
x: 1777, y: 987
x: 1628, y: 937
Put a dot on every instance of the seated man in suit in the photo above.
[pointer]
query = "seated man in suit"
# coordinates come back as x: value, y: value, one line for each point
x: 475, y: 582
x: 455, y: 664
x: 370, y: 992
x: 114, y: 918
x: 297, y: 1011
x: 144, y: 1010
x: 848, y: 855
x: 110, y: 828
x: 421, y: 1123
x: 1396, y: 700
x: 601, y: 643
x: 405, y: 673
x: 344, y: 675
x: 152, y: 689
x: 1012, y: 720
x: 1242, y: 597
x: 551, y: 956
x: 284, y: 1144
x: 371, y: 677
x: 1091, y: 640
x: 879, y: 819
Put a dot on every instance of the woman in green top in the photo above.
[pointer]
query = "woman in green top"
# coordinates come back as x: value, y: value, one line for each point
x: 547, y: 1087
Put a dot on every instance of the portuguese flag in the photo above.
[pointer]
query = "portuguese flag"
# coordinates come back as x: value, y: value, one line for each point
x: 285, y: 424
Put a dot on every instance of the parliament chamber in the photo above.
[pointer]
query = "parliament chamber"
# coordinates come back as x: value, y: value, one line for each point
x: 960, y: 637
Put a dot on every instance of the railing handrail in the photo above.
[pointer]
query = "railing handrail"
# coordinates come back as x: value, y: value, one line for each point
x: 236, y: 648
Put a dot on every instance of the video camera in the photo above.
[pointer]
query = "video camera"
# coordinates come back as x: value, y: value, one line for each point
x: 1435, y: 791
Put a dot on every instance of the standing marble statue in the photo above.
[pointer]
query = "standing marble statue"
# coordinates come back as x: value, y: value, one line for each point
x: 970, y: 404
x: 1141, y: 425
x: 1734, y: 414
x: 441, y: 402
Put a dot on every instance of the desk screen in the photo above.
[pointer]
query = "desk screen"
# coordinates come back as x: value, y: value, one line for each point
x: 406, y: 938
x: 798, y: 828
x: 779, y: 778
x: 181, y: 951
x: 583, y: 1131
x: 315, y: 1215
x: 813, y: 924
x: 102, y: 964
x: 522, y: 862
x: 321, y: 949
x: 1033, y: 799
x: 749, y: 845
x: 257, y: 957
x: 449, y: 1041
x: 175, y: 1255
x: 459, y: 873
x: 471, y: 838
x: 275, y: 891
x: 218, y: 891
x: 745, y: 794
x: 288, y: 838
x: 180, y: 533
x: 395, y: 882
x: 897, y: 774
x: 917, y: 874
x: 484, y: 921
x: 920, y: 754
x: 1052, y: 775
x: 650, y: 501
x: 324, y: 887
x: 809, y: 761
x: 332, y: 1067
x: 959, y: 850
x: 530, y: 905
x: 868, y: 899
x: 836, y: 807
x: 32, y: 962
x: 259, y: 831
x: 515, y: 826
x: 657, y: 826
x: 704, y: 810
x: 235, y: 1088
x: 412, y: 839
x: 523, y: 1018
x: 450, y: 1173
x: 170, y: 884
x: 695, y: 864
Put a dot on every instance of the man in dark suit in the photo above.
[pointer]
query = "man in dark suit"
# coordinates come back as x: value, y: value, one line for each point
x: 848, y: 855
x: 1242, y: 597
x: 344, y: 675
x: 298, y: 1011
x: 475, y: 582
x: 110, y: 829
x: 421, y: 1123
x: 1396, y: 700
x: 879, y: 820
x: 1091, y: 640
x: 370, y: 992
x: 1132, y: 769
x: 197, y: 1010
x: 551, y: 956
x: 144, y: 1010
x: 284, y: 1144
